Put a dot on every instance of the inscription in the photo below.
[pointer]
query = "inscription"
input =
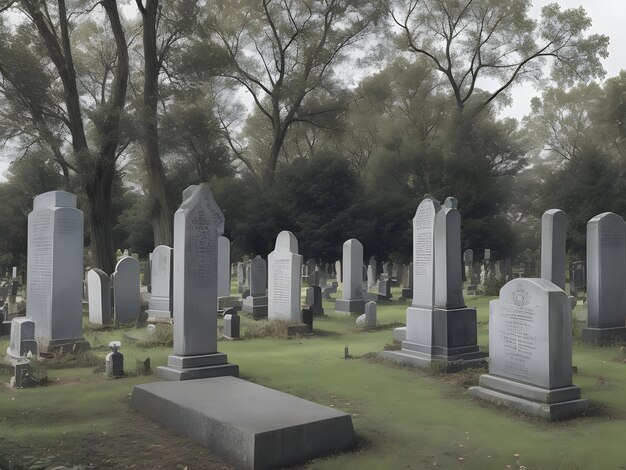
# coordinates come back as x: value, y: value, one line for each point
x: 281, y: 271
x: 517, y: 339
x: 423, y: 254
x: 201, y: 241
x: 611, y: 236
x: 40, y: 261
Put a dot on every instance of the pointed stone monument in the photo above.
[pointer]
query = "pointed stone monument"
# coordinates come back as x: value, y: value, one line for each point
x: 54, y: 288
x: 197, y: 224
x: 352, y: 300
x: 99, y: 289
x: 284, y: 279
x: 439, y: 325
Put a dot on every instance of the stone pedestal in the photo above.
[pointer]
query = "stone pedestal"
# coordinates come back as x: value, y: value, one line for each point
x: 197, y: 367
x: 255, y: 306
x: 348, y: 306
x: 604, y: 336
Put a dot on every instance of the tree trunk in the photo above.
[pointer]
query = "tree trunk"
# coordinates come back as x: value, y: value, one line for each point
x: 161, y: 206
x: 98, y: 189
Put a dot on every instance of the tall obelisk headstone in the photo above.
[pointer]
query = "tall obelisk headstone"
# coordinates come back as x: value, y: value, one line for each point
x: 352, y: 300
x: 553, y: 236
x: 197, y: 224
x: 54, y: 289
x: 256, y: 303
x: 284, y: 279
x: 160, y: 303
x: 439, y: 325
x: 606, y: 277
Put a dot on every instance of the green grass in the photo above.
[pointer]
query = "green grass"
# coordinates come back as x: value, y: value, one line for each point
x: 404, y: 418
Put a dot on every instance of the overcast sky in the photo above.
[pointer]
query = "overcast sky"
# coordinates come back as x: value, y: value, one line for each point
x: 608, y: 18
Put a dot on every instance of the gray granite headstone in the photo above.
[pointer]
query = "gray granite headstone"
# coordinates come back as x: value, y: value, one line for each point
x: 22, y: 339
x: 256, y: 303
x: 553, y: 236
x: 284, y: 279
x: 232, y: 325
x: 240, y: 277
x: 314, y: 300
x: 197, y: 224
x: 448, y: 275
x: 55, y: 271
x: 99, y: 288
x: 223, y: 267
x: 606, y: 278
x: 530, y: 351
x: 126, y: 300
x: 352, y: 295
x: 160, y: 303
x: 368, y: 319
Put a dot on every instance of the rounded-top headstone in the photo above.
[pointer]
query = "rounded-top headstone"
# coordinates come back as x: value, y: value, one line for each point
x: 424, y: 252
x: 286, y: 241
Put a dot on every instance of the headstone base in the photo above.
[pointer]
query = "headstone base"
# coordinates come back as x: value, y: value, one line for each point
x: 448, y: 363
x: 347, y: 307
x: 549, y: 404
x: 159, y: 316
x: 407, y: 293
x: 230, y: 301
x: 251, y: 426
x: 197, y: 367
x: 255, y: 306
x: 75, y: 345
x: 603, y: 336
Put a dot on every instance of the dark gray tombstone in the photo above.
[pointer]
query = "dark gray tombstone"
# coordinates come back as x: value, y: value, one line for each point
x: 115, y: 361
x: 578, y: 282
x: 307, y: 318
x: 384, y: 289
x: 232, y: 324
x: 314, y: 300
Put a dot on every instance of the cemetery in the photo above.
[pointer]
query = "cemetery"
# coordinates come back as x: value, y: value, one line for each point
x: 312, y: 235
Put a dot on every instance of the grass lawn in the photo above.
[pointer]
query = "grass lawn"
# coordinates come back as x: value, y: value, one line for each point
x: 404, y: 418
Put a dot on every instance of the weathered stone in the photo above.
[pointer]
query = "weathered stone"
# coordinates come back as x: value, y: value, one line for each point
x: 126, y: 300
x: 99, y: 288
x: 160, y: 303
x: 352, y: 296
x: 284, y: 267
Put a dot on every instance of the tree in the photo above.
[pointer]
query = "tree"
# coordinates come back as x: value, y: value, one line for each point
x: 95, y: 164
x: 282, y: 52
x: 469, y: 40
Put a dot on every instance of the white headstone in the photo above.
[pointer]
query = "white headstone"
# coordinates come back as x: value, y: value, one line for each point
x: 284, y: 280
x: 606, y: 271
x: 54, y: 286
x: 352, y: 269
x: 424, y: 253
x: 22, y: 339
x: 530, y: 334
x: 126, y: 301
x: 553, y: 236
x: 14, y: 273
x: 160, y: 303
x: 99, y: 293
x: 339, y: 272
x: 448, y: 273
x: 197, y: 225
x: 223, y: 266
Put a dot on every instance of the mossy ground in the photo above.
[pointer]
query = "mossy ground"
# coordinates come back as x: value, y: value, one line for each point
x: 404, y: 418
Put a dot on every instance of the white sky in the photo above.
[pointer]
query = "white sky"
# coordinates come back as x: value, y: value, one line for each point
x: 608, y: 18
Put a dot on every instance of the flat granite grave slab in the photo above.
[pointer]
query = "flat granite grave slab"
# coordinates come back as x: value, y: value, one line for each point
x: 252, y: 426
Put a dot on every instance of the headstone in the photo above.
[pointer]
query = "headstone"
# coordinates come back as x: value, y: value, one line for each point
x: 368, y: 319
x: 439, y: 325
x: 232, y: 324
x: 553, y: 236
x: 407, y: 290
x: 384, y: 289
x: 126, y: 253
x: 284, y: 281
x: 307, y: 319
x: 14, y: 273
x: 314, y: 300
x: 22, y: 337
x: 256, y: 303
x: 387, y: 268
x: 338, y: 273
x: 160, y: 303
x: 468, y: 257
x: 577, y: 277
x: 114, y: 361
x: 240, y: 277
x: 371, y: 276
x: 223, y: 267
x: 606, y: 279
x: 147, y: 273
x: 352, y: 295
x: 55, y: 271
x: 314, y: 278
x: 530, y: 351
x: 99, y: 288
x: 487, y: 255
x: 126, y: 301
x: 197, y: 224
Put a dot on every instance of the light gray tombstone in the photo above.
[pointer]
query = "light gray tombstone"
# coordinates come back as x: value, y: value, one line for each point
x: 606, y: 277
x: 223, y: 267
x: 126, y: 300
x: 55, y: 271
x: 339, y: 273
x: 368, y: 319
x: 14, y: 272
x: 439, y: 325
x: 99, y: 293
x: 487, y: 255
x: 284, y: 280
x: 240, y: 277
x: 407, y: 290
x: 232, y: 325
x: 160, y: 303
x: 530, y: 351
x: 352, y: 300
x: 22, y: 339
x: 256, y: 303
x: 371, y: 272
x: 197, y: 224
x: 468, y: 257
x: 553, y: 236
